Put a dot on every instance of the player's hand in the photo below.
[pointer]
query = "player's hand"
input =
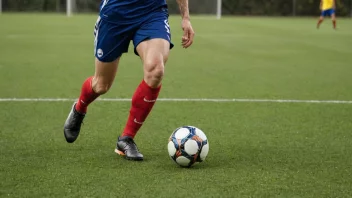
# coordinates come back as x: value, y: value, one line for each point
x: 188, y: 33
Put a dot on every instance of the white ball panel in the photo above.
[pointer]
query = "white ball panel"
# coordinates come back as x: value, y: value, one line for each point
x: 183, y: 161
x: 182, y: 133
x: 171, y: 148
x: 201, y: 134
x: 204, y: 152
x: 191, y: 147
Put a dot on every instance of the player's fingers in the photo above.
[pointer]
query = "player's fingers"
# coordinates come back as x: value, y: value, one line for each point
x: 190, y: 40
x: 191, y: 37
x: 184, y: 42
x: 185, y: 35
x: 189, y: 43
x: 185, y: 38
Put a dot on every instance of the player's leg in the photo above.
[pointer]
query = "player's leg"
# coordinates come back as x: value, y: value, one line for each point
x: 333, y: 18
x: 154, y: 54
x: 98, y: 84
x: 109, y: 45
x: 153, y: 44
x: 321, y: 19
x: 92, y: 88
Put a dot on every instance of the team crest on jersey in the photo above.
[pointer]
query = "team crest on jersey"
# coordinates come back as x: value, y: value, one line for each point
x: 100, y: 53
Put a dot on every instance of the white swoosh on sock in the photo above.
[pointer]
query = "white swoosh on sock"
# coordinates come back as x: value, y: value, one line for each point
x: 135, y: 120
x: 145, y: 100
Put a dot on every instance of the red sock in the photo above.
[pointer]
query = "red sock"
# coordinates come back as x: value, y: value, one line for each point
x: 334, y: 24
x: 87, y: 96
x: 142, y: 103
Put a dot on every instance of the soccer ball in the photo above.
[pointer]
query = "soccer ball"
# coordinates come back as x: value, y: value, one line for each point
x: 188, y: 145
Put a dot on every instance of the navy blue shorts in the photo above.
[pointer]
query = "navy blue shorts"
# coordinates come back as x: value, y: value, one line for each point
x: 113, y: 39
x: 328, y: 12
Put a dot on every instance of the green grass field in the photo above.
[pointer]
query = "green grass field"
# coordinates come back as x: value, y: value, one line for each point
x: 257, y: 149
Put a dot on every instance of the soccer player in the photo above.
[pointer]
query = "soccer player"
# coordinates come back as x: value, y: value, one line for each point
x: 327, y: 8
x: 145, y: 22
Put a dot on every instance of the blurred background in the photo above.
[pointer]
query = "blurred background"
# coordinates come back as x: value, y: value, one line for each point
x: 203, y: 7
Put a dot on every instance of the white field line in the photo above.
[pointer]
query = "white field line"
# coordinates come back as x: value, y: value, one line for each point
x: 182, y: 100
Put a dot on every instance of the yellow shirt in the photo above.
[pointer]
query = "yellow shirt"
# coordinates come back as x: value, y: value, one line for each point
x: 327, y: 4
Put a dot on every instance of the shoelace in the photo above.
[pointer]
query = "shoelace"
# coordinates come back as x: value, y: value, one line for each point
x: 77, y: 117
x: 132, y: 143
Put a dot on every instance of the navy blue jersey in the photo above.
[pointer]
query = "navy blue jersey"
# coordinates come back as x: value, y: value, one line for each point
x: 128, y: 11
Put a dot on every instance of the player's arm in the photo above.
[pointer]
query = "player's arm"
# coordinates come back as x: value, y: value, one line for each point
x: 334, y: 4
x: 188, y: 33
x: 321, y: 5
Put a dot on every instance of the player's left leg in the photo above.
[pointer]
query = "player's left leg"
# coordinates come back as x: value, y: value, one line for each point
x: 154, y: 54
x: 321, y: 19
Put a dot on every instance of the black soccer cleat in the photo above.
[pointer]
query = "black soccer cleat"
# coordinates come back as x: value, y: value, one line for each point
x: 126, y: 146
x: 73, y: 124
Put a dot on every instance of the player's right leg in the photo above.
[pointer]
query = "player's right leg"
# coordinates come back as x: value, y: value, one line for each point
x: 92, y: 88
x: 321, y: 19
x: 109, y: 46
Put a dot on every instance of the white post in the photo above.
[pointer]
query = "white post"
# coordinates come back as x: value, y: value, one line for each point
x: 69, y: 7
x: 218, y: 9
x: 0, y: 6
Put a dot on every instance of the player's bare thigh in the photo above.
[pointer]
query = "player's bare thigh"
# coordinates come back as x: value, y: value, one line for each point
x: 333, y: 16
x: 104, y: 76
x: 154, y: 54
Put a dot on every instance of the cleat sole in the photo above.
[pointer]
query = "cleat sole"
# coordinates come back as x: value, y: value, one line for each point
x: 128, y: 158
x: 119, y: 152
